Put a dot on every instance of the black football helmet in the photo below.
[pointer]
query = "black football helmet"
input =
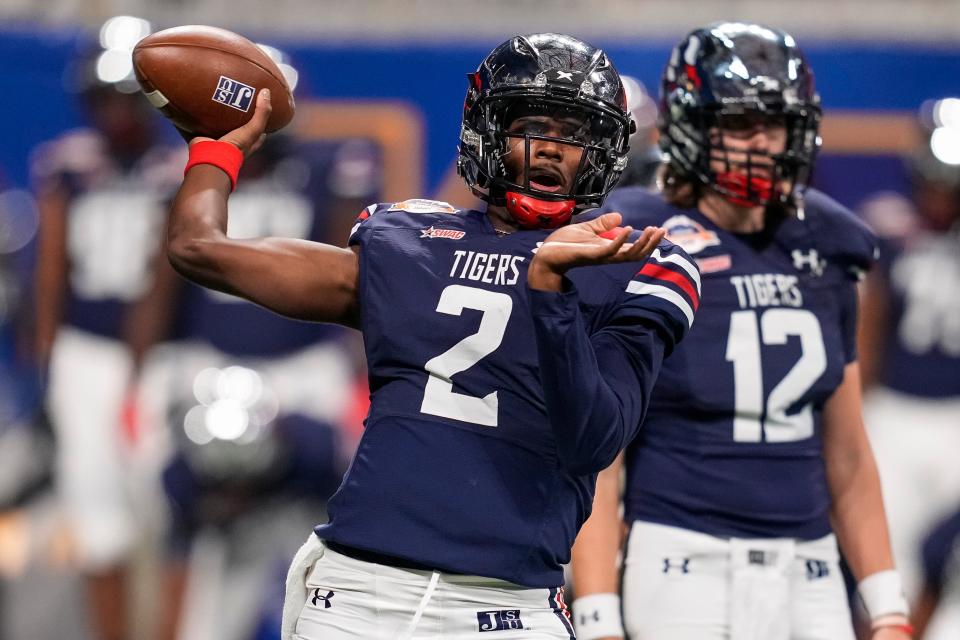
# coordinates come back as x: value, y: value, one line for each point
x: 739, y: 69
x: 555, y: 75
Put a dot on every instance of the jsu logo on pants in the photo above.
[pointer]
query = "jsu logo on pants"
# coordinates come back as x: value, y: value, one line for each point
x: 499, y: 620
x: 234, y: 94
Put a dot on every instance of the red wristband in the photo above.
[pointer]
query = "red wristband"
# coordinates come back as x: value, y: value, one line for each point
x: 905, y: 627
x: 223, y: 155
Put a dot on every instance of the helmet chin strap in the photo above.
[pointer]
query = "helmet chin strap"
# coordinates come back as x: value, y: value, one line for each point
x: 533, y: 213
x: 743, y: 191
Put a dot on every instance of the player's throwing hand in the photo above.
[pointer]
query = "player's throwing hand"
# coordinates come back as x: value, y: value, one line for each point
x: 249, y: 137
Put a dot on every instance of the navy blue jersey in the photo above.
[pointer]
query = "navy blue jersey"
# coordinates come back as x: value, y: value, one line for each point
x: 921, y: 354
x: 941, y: 554
x: 493, y: 406
x: 115, y: 216
x: 731, y: 445
x: 284, y: 203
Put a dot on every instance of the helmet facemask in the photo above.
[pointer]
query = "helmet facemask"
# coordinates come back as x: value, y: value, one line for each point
x: 752, y: 177
x: 558, y: 79
x: 516, y: 126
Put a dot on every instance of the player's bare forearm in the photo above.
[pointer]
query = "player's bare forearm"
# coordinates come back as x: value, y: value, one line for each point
x: 51, y: 272
x: 858, y: 515
x: 296, y: 278
x: 597, y: 548
x: 147, y: 321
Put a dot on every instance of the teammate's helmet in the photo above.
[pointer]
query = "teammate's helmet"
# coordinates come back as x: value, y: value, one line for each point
x: 730, y: 69
x: 556, y: 75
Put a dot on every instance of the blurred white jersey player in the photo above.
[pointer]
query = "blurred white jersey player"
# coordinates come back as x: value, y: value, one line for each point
x: 911, y: 353
x: 102, y: 192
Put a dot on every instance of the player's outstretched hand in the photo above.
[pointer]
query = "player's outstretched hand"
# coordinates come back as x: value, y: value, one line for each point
x: 250, y: 136
x: 597, y: 241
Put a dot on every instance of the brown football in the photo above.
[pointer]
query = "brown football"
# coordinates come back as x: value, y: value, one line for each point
x: 206, y: 79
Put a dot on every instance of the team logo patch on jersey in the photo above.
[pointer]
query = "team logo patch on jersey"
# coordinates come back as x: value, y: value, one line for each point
x: 234, y: 94
x: 502, y: 620
x: 420, y: 205
x: 689, y: 234
x: 450, y: 234
x: 714, y: 263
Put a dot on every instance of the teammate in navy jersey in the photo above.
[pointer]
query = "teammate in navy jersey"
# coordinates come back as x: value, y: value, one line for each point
x: 911, y: 354
x: 103, y: 299
x: 502, y: 377
x: 753, y: 444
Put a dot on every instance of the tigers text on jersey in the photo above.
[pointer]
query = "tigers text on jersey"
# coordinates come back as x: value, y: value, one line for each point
x: 493, y: 406
x: 732, y: 444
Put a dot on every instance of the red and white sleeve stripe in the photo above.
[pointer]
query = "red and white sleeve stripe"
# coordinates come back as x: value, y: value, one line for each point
x: 672, y: 277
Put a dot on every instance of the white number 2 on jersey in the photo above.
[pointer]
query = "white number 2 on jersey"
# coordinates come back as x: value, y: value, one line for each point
x: 439, y: 399
x: 744, y: 351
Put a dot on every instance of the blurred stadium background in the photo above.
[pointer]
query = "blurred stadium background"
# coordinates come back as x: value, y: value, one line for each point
x: 380, y: 85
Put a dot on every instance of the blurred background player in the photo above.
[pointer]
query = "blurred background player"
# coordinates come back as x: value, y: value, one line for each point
x: 753, y: 451
x: 937, y: 609
x: 643, y: 159
x: 910, y: 340
x: 27, y: 513
x: 103, y: 299
x: 243, y: 486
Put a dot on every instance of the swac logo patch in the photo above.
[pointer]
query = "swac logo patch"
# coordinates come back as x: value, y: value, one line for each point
x: 419, y: 205
x: 689, y: 234
x: 502, y: 620
x: 433, y: 232
x: 234, y: 94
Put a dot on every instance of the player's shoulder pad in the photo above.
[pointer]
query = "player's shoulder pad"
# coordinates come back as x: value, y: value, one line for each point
x: 77, y: 151
x: 400, y: 213
x: 639, y: 206
x: 840, y: 235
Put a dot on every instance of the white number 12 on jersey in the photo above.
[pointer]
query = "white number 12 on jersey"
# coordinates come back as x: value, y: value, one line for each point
x: 439, y: 398
x: 743, y: 350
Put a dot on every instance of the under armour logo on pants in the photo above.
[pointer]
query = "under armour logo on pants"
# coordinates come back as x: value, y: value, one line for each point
x: 326, y: 599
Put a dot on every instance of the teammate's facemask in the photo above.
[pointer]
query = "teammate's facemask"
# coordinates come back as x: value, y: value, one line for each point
x: 749, y: 176
x: 563, y: 92
x: 731, y: 71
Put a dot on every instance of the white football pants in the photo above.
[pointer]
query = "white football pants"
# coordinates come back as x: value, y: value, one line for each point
x: 331, y: 596
x: 684, y: 585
